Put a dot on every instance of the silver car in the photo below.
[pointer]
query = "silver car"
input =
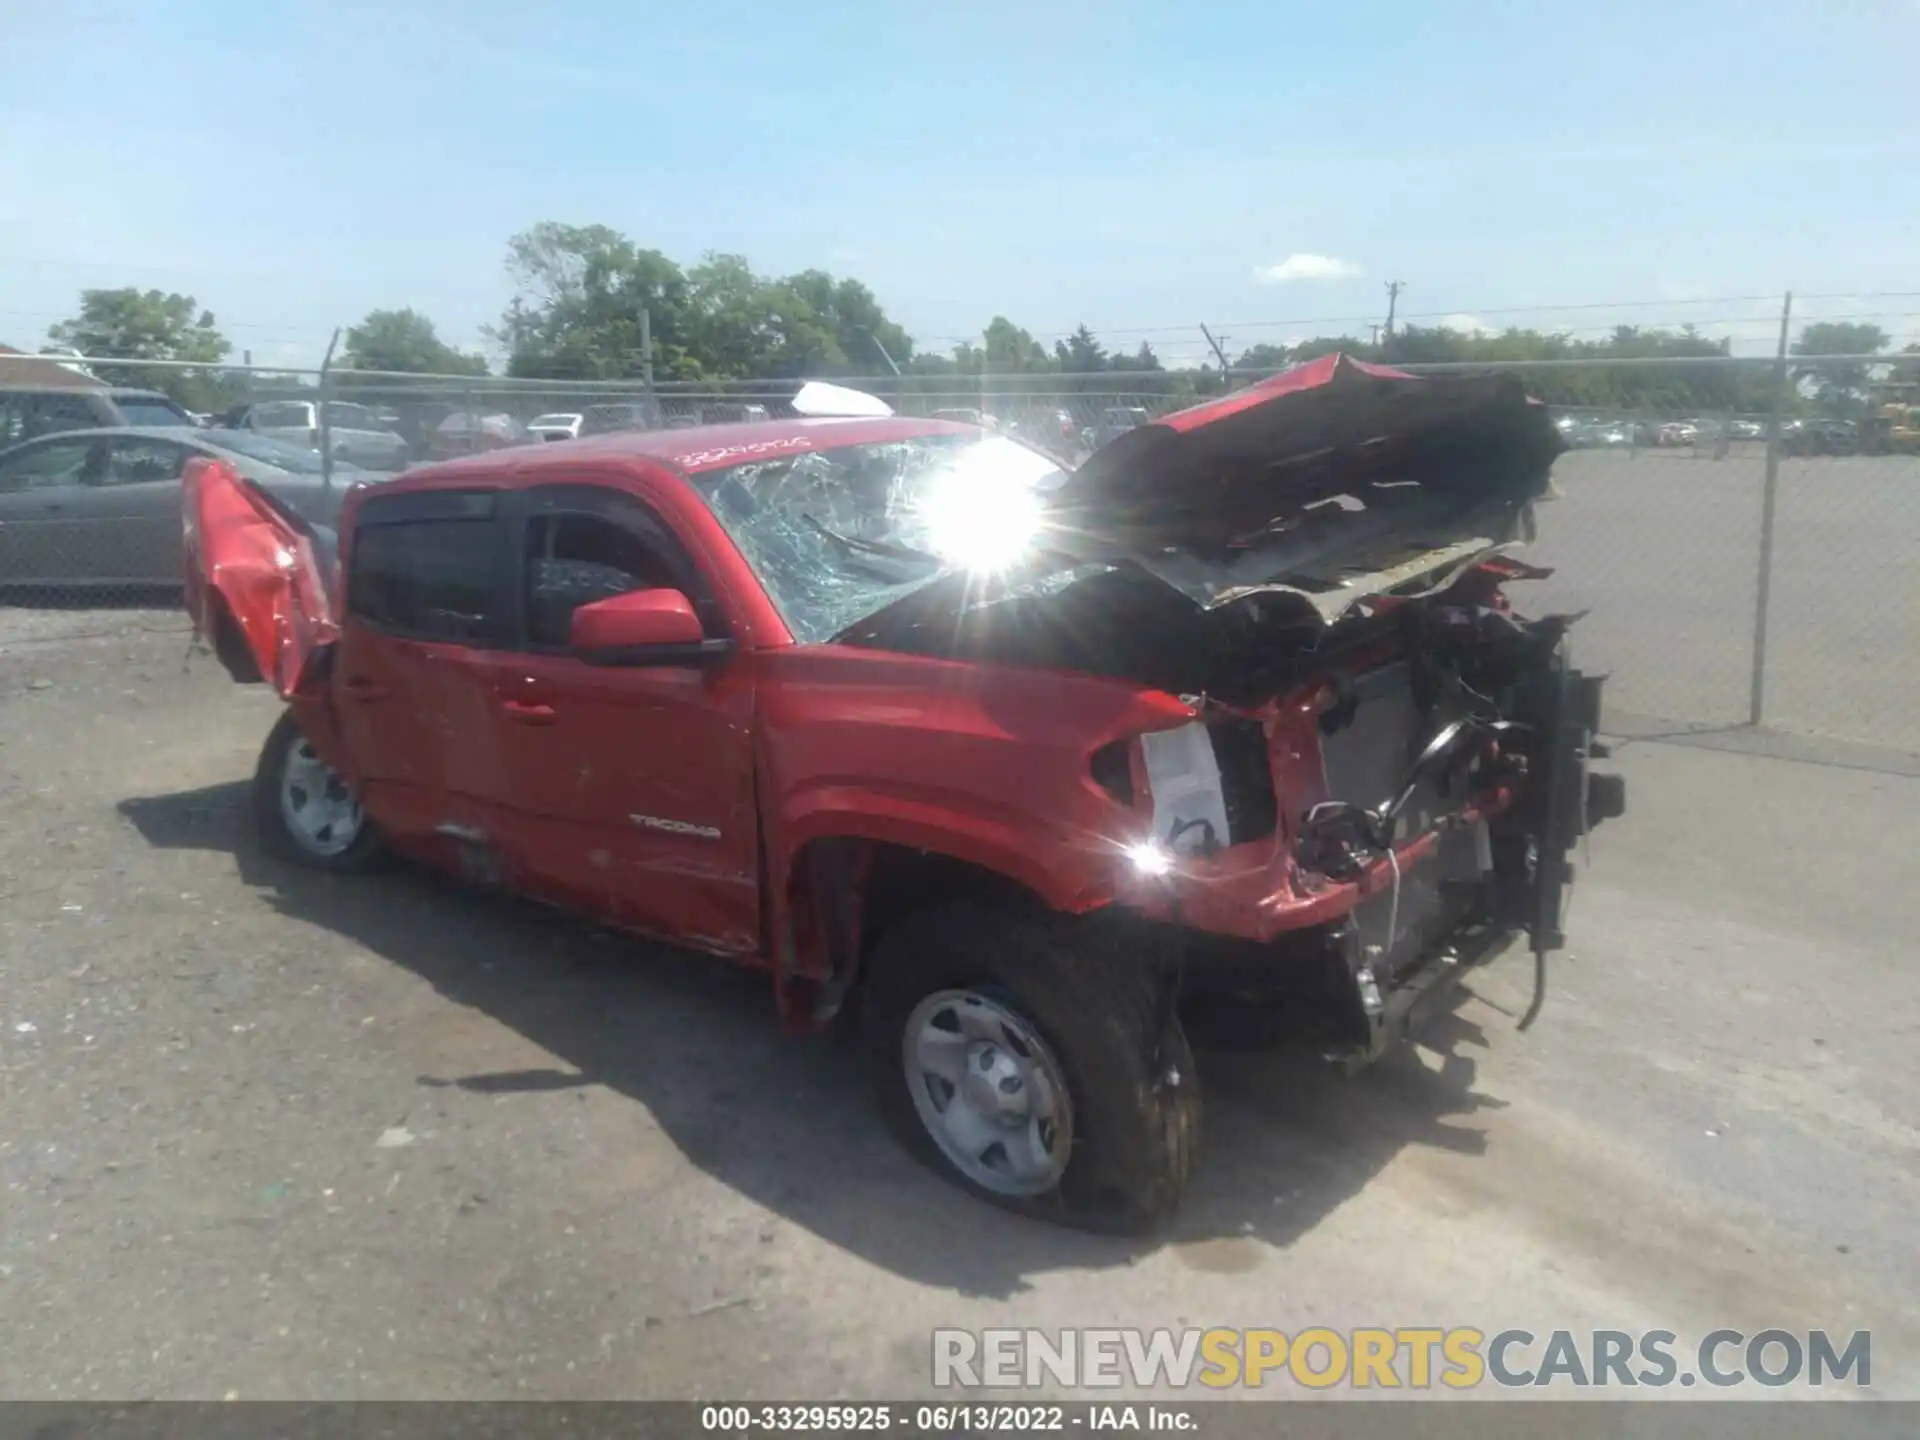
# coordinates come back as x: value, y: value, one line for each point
x: 355, y: 433
x: 102, y: 507
x: 558, y: 425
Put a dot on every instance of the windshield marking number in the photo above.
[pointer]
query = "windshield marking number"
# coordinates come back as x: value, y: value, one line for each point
x: 701, y: 458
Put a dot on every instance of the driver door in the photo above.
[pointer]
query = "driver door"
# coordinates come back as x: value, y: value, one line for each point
x: 630, y: 787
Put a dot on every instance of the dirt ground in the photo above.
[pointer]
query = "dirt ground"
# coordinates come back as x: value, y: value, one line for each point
x: 272, y: 1134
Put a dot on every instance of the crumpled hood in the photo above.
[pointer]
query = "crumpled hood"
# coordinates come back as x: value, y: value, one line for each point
x: 1333, y: 481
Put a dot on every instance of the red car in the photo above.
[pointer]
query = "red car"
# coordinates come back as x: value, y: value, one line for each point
x: 1032, y: 765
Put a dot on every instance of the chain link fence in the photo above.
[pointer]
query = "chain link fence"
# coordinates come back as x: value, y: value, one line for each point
x: 1706, y: 614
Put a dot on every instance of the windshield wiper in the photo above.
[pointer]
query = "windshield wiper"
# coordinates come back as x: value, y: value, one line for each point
x: 869, y: 547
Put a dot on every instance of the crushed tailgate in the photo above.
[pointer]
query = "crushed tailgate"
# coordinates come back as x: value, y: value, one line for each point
x: 259, y: 583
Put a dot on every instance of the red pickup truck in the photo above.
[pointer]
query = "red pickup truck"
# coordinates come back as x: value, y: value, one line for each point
x: 1020, y: 763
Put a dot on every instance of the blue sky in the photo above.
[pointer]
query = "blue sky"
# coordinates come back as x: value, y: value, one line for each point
x: 1141, y: 167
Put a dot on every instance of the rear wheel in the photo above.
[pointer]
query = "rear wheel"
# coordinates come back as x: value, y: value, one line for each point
x: 1039, y: 1071
x: 304, y: 811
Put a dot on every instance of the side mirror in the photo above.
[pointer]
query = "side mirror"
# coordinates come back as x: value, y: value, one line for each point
x: 642, y: 627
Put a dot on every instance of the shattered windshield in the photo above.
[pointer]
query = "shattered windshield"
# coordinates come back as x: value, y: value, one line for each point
x: 835, y: 535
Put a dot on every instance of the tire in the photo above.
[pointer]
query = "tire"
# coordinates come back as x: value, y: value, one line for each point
x: 1097, y: 1003
x: 274, y: 812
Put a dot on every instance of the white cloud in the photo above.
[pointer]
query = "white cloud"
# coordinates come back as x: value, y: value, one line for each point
x: 1467, y: 324
x: 1307, y: 267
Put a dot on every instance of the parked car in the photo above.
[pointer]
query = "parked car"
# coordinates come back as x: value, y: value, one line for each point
x: 1820, y: 437
x: 559, y: 425
x: 817, y: 750
x: 1582, y: 432
x: 1676, y: 432
x: 1746, y: 430
x: 731, y: 412
x: 464, y: 433
x: 354, y: 433
x: 28, y: 412
x: 102, y: 507
x: 1115, y: 421
x: 610, y: 419
x: 1048, y: 429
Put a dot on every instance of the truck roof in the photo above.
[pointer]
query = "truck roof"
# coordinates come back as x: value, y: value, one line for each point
x: 693, y: 449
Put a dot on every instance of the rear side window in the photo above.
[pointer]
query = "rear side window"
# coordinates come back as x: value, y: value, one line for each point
x: 148, y: 410
x: 282, y: 417
x: 352, y: 417
x: 428, y: 566
x: 140, y: 461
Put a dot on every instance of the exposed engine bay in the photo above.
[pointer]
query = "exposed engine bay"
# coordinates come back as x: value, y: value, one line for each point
x: 1388, y: 767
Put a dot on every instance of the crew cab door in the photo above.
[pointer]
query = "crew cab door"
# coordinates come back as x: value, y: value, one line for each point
x: 427, y: 612
x: 631, y: 785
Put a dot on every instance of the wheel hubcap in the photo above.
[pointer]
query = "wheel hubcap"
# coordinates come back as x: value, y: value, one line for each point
x: 321, y: 813
x: 990, y: 1092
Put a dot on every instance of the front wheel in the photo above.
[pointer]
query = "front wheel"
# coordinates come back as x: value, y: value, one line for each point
x: 1039, y: 1071
x: 304, y: 811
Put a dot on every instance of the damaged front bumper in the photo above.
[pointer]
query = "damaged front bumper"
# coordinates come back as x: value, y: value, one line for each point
x: 1358, y: 958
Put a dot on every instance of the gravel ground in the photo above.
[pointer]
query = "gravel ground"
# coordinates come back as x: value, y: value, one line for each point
x: 272, y: 1134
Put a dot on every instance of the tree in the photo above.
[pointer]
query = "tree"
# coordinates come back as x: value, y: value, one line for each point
x: 1141, y: 361
x: 1264, y: 357
x: 581, y: 292
x: 1009, y: 350
x: 1080, y: 353
x: 1840, y: 388
x: 862, y: 333
x: 149, y: 325
x: 405, y: 340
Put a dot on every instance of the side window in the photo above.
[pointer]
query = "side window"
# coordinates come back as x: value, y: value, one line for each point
x: 59, y: 462
x: 583, y: 543
x: 280, y: 417
x: 427, y: 566
x: 574, y: 560
x: 48, y: 414
x: 143, y: 462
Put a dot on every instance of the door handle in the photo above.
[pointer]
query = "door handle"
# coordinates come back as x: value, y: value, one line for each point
x: 362, y: 688
x: 529, y: 713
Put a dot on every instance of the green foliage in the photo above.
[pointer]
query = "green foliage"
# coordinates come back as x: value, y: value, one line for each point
x: 149, y: 325
x: 405, y: 340
x: 1680, y: 391
x: 1838, y: 389
x: 581, y: 291
x: 587, y: 300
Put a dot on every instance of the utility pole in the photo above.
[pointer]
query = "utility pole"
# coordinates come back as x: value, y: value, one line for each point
x: 1393, y: 301
x: 899, y: 382
x: 1220, y: 353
